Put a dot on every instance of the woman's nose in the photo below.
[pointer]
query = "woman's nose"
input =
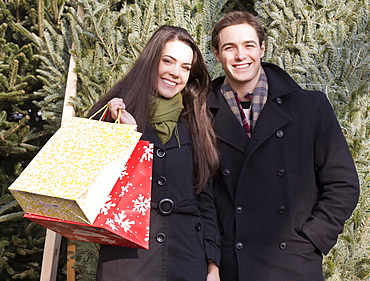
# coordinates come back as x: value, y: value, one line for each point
x: 175, y: 70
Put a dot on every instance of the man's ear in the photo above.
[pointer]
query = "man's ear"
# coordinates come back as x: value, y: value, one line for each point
x: 263, y: 48
x: 215, y: 52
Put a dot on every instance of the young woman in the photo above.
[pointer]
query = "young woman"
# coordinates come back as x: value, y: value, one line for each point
x: 164, y: 94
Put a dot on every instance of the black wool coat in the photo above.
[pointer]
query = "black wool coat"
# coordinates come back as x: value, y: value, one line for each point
x: 283, y: 195
x: 179, y: 247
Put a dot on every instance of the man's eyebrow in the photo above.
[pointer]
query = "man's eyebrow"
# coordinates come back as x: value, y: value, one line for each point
x: 245, y: 42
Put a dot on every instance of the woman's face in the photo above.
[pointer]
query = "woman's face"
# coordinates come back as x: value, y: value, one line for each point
x: 174, y: 68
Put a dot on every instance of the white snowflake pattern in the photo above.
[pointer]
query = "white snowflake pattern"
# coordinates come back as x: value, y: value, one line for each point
x: 125, y: 188
x: 148, y: 153
x: 111, y: 224
x: 108, y: 204
x: 141, y: 204
x: 146, y: 239
x: 120, y: 219
x: 123, y: 173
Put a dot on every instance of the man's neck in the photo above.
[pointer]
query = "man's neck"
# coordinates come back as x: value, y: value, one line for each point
x: 241, y: 88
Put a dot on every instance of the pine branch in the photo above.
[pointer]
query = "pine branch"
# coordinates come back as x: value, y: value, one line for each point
x: 40, y: 13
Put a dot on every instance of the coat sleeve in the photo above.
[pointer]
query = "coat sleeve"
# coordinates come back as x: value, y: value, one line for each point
x: 209, y: 218
x: 336, y: 178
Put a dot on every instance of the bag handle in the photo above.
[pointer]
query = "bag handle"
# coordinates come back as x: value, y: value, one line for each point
x: 105, y: 110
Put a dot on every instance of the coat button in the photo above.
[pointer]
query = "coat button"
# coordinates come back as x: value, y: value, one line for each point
x: 239, y: 209
x: 165, y: 206
x: 281, y: 172
x: 198, y: 226
x: 160, y: 152
x: 279, y: 133
x: 226, y: 172
x: 160, y: 237
x: 281, y: 209
x: 161, y: 180
x: 239, y: 245
x: 279, y: 101
x: 282, y: 245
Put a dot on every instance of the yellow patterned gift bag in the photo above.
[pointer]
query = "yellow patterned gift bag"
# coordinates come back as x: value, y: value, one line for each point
x: 75, y: 171
x: 124, y: 219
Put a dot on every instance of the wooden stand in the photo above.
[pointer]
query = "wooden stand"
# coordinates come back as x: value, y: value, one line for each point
x: 71, y: 272
x: 52, y: 241
x: 49, y: 266
x: 50, y: 259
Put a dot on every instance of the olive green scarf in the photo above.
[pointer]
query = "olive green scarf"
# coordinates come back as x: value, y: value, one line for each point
x: 166, y: 115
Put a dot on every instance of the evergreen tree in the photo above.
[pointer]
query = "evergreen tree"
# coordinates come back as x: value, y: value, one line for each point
x: 324, y: 45
x: 21, y: 134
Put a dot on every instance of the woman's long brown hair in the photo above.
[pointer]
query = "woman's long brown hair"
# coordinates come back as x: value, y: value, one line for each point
x: 136, y: 89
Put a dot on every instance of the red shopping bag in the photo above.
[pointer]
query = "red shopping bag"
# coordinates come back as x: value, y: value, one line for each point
x: 124, y: 218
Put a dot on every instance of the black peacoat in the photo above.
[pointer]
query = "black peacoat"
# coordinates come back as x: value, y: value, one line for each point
x: 178, y: 248
x: 283, y: 195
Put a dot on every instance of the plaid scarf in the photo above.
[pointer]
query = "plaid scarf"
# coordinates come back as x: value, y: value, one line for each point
x: 258, y: 100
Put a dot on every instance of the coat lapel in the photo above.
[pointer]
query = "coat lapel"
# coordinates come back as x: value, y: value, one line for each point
x: 271, y: 119
x: 226, y: 125
x: 229, y: 130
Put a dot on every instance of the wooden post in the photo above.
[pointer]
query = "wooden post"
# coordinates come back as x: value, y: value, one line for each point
x: 52, y: 240
x: 71, y: 272
x: 50, y: 259
x: 49, y: 266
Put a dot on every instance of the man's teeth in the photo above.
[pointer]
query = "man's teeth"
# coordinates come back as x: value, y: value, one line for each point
x: 242, y: 66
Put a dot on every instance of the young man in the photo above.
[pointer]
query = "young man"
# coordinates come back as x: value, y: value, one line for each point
x: 287, y: 181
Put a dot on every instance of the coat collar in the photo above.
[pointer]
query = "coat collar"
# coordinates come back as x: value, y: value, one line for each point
x: 277, y: 77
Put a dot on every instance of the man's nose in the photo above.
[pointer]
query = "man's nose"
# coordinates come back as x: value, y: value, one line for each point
x: 240, y: 53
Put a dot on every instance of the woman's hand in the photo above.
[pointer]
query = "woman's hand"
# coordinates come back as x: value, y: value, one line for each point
x: 213, y: 274
x: 116, y: 105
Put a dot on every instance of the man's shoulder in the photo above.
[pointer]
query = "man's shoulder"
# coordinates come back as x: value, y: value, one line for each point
x: 279, y: 81
x: 217, y: 82
x: 216, y: 98
x: 275, y: 72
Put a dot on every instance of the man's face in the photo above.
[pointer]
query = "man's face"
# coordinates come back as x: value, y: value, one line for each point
x: 240, y: 55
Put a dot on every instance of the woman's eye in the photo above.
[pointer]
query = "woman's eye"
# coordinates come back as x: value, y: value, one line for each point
x: 186, y: 68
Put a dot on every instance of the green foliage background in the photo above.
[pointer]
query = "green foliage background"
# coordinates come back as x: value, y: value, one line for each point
x: 323, y: 44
